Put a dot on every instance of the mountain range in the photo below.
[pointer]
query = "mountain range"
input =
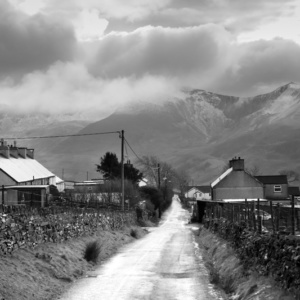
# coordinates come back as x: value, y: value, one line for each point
x: 197, y: 132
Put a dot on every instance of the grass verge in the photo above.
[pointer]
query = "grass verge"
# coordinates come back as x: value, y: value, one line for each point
x: 227, y: 272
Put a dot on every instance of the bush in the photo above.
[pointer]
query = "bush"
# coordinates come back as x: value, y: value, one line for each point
x: 268, y: 254
x: 133, y: 233
x: 92, y: 251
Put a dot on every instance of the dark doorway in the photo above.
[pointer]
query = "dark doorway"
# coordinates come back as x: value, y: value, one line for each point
x: 201, y: 210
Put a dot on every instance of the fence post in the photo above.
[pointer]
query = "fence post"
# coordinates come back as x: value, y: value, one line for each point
x: 277, y: 217
x: 246, y: 212
x: 297, y: 218
x: 272, y: 216
x: 293, y: 215
x: 259, y: 218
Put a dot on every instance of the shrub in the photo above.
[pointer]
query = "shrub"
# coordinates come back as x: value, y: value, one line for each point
x: 133, y: 233
x: 268, y: 254
x: 92, y: 251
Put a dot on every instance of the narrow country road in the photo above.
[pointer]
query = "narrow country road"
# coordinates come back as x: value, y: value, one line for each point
x: 166, y: 264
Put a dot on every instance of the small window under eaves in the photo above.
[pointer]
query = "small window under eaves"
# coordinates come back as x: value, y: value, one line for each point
x: 277, y: 189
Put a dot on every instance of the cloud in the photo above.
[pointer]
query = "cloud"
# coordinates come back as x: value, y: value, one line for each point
x: 31, y: 42
x: 258, y: 67
x: 236, y: 16
x: 152, y: 64
x: 131, y: 9
x: 69, y: 88
x: 205, y: 57
x: 171, y: 52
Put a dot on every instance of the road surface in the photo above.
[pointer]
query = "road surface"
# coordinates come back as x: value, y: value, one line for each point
x: 166, y: 264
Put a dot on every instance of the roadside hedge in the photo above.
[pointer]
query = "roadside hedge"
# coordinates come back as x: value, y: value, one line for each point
x: 26, y: 228
x: 269, y: 254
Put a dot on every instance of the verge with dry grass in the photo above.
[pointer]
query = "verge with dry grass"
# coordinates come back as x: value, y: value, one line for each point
x: 227, y: 272
x: 46, y: 271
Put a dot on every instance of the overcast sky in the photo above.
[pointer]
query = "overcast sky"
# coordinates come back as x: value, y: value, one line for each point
x: 95, y: 55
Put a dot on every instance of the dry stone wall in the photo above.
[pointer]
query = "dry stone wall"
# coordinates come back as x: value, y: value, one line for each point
x: 26, y: 227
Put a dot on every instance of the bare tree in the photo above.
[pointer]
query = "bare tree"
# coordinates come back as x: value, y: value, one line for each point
x: 254, y: 170
x: 291, y: 175
x: 149, y: 166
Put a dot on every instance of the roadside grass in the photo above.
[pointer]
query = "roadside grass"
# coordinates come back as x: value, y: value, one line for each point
x: 92, y: 251
x: 227, y: 272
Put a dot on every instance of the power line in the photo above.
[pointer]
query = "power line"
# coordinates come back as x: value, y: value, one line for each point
x: 140, y: 159
x: 58, y: 136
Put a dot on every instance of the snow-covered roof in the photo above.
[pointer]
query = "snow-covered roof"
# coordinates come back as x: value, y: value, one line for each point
x: 58, y: 180
x: 221, y: 177
x: 26, y: 187
x: 24, y: 169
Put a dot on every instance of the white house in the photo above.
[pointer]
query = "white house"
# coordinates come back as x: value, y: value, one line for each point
x: 198, y: 192
x: 22, y: 178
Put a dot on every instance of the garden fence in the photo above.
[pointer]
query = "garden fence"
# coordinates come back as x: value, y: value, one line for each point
x: 258, y: 215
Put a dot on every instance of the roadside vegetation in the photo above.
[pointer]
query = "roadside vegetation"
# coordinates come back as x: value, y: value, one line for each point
x: 238, y: 269
x: 93, y: 251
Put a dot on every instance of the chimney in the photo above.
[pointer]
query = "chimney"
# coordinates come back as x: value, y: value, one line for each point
x: 13, y: 151
x: 237, y: 164
x: 30, y: 153
x: 22, y: 152
x: 4, y: 149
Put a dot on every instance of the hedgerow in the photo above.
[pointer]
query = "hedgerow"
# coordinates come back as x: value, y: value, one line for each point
x: 269, y: 254
x: 29, y: 228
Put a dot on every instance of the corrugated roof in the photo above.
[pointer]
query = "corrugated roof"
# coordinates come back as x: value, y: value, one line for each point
x: 24, y: 169
x: 272, y: 179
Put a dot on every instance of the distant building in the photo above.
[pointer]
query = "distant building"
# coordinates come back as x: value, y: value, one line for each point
x: 96, y: 190
x: 22, y: 178
x: 294, y: 191
x: 236, y: 184
x: 275, y: 186
x: 198, y: 192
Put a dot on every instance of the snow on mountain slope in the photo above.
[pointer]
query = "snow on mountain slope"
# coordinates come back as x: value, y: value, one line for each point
x: 198, y: 131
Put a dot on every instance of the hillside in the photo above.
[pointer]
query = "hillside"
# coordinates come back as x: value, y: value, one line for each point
x: 198, y: 132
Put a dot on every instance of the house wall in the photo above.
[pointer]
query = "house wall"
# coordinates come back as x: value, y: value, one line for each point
x: 238, y: 185
x: 238, y: 193
x: 197, y: 194
x: 190, y: 193
x: 10, y: 197
x: 239, y: 179
x: 41, y: 181
x: 6, y: 180
x: 270, y: 194
x: 203, y: 196
x: 93, y: 188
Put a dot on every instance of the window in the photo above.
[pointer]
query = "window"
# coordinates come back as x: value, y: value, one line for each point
x: 277, y: 188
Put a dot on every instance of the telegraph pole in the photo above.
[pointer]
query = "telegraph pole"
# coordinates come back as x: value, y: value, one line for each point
x: 122, y: 168
x: 158, y: 175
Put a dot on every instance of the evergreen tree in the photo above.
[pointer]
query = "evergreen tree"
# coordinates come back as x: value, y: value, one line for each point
x: 110, y: 167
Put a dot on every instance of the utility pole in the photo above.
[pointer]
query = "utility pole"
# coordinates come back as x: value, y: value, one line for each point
x: 158, y: 175
x: 122, y: 168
